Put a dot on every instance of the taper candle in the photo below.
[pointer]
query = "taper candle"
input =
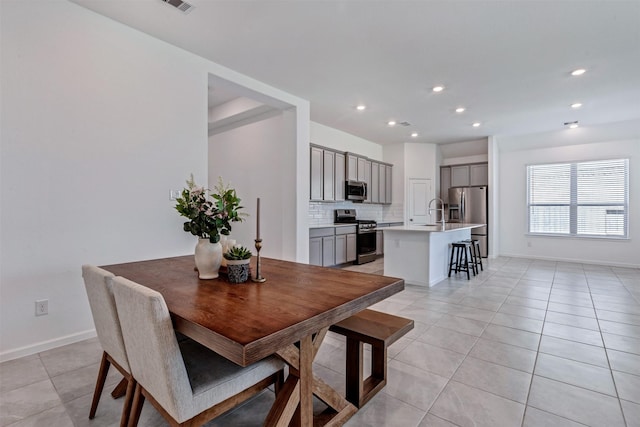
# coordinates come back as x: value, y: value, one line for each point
x: 258, y: 220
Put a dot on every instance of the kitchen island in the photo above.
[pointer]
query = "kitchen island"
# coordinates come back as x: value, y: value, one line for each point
x: 420, y: 253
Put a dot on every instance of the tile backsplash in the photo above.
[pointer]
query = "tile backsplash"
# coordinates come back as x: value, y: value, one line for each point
x: 322, y: 213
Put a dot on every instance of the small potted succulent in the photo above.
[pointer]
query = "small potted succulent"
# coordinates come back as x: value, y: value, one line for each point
x: 238, y: 258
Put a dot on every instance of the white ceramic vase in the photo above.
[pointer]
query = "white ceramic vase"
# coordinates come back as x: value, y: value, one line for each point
x: 208, y: 258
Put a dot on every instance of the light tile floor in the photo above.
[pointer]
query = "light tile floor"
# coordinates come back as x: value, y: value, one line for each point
x: 525, y: 343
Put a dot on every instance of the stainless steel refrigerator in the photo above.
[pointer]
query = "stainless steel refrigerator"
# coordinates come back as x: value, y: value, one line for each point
x: 469, y: 205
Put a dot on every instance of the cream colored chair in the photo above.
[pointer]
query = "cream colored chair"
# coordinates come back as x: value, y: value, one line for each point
x: 186, y: 382
x: 98, y: 283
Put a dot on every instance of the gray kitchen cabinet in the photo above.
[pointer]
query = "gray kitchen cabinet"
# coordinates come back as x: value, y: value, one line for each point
x: 345, y: 244
x: 315, y: 251
x: 375, y: 182
x: 479, y: 174
x: 341, y: 249
x: 382, y: 183
x: 345, y: 248
x: 388, y: 182
x: 367, y: 178
x: 351, y: 247
x: 328, y: 251
x: 322, y: 246
x: 362, y: 169
x: 339, y: 175
x: 316, y: 192
x: 352, y: 167
x: 328, y: 175
x: 445, y: 183
x: 460, y: 176
x: 330, y: 169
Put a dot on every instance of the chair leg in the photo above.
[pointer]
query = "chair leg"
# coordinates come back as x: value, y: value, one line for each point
x: 466, y: 263
x: 136, y: 406
x: 128, y: 400
x: 479, y: 256
x: 102, y: 376
x: 474, y: 259
x: 453, y: 249
x: 120, y: 389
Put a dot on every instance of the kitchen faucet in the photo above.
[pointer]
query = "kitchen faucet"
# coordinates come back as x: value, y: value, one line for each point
x: 441, y: 209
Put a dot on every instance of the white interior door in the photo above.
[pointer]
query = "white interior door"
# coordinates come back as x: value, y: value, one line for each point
x: 420, y: 192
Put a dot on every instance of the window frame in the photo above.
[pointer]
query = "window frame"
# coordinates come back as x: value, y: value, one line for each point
x: 573, y: 204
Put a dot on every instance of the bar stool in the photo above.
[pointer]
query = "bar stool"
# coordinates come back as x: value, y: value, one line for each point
x: 476, y: 255
x: 461, y: 252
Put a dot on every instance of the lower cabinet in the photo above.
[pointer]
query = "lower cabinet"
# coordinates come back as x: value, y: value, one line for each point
x: 315, y: 251
x: 332, y: 245
x: 328, y: 251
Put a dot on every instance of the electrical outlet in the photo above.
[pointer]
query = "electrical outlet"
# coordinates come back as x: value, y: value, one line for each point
x: 174, y: 194
x: 42, y: 307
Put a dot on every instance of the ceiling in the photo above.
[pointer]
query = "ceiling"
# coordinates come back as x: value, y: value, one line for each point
x: 507, y: 62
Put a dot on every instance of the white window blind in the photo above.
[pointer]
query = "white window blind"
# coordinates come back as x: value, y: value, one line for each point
x: 579, y: 199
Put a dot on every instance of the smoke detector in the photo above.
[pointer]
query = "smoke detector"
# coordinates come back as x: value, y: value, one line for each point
x: 183, y: 6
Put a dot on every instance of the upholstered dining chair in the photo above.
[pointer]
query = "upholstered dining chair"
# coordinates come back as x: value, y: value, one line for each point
x: 186, y: 382
x: 98, y: 284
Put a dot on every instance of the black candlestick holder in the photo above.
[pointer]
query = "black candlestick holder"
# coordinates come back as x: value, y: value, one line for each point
x: 258, y: 277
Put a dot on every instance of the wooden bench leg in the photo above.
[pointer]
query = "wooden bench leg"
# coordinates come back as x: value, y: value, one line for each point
x: 359, y: 389
x: 355, y: 355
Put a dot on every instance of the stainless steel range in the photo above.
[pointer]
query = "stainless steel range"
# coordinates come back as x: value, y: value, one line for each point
x: 366, y: 234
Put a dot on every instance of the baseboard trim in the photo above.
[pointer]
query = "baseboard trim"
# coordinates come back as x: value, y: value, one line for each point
x: 578, y: 261
x: 46, y: 345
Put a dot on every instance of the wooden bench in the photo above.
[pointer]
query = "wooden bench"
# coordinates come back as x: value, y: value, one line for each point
x: 380, y: 330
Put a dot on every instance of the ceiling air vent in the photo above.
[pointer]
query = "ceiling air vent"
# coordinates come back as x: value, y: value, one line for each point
x: 180, y: 5
x: 404, y: 124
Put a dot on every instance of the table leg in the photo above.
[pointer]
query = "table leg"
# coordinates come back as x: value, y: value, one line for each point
x: 294, y: 404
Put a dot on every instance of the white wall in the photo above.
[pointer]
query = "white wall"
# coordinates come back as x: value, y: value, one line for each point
x: 517, y: 152
x: 342, y: 141
x: 257, y: 153
x: 98, y: 123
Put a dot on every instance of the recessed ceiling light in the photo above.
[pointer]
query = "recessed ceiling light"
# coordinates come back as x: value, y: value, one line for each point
x: 391, y: 122
x: 576, y: 105
x: 438, y: 88
x: 460, y: 110
x: 572, y: 125
x: 414, y: 135
x: 361, y: 107
x: 578, y: 72
x: 476, y: 124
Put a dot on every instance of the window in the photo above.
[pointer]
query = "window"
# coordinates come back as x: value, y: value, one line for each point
x: 579, y: 199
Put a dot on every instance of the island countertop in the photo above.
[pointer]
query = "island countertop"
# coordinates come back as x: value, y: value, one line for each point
x: 435, y: 228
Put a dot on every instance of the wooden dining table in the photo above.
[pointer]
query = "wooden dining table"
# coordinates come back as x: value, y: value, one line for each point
x: 287, y: 315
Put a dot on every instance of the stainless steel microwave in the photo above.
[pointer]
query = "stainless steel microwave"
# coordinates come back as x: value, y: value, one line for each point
x: 356, y: 191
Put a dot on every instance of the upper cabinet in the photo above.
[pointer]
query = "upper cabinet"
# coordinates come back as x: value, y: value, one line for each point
x: 460, y: 176
x: 327, y: 175
x: 339, y: 176
x: 466, y: 175
x: 479, y: 174
x: 317, y: 171
x: 330, y: 169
